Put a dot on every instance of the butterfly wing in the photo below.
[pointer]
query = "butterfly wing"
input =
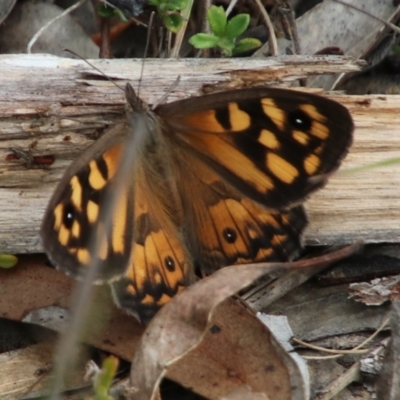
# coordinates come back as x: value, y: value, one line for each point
x: 245, y: 160
x: 160, y: 264
x: 223, y: 227
x: 219, y: 184
x: 275, y: 146
x: 142, y: 251
x: 74, y: 217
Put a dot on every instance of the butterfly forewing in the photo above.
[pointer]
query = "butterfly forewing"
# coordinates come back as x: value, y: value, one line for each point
x: 274, y: 145
x: 74, y: 219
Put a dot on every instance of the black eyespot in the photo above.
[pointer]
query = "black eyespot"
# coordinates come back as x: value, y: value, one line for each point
x: 300, y: 120
x: 230, y: 235
x: 169, y: 263
x: 215, y: 329
x: 69, y: 216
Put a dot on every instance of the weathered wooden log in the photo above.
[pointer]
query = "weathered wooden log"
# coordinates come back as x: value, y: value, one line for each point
x: 55, y: 107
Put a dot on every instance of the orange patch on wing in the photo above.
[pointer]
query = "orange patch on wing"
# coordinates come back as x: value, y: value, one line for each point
x: 64, y: 235
x: 96, y: 179
x: 281, y: 168
x: 76, y: 192
x: 204, y: 121
x: 164, y: 299
x: 233, y: 159
x: 268, y: 139
x: 119, y: 223
x: 137, y: 271
x: 270, y: 109
x: 238, y: 118
x: 300, y: 137
x: 83, y: 256
x: 58, y: 216
x: 311, y: 164
x: 92, y: 211
x: 112, y: 159
x: 278, y: 239
x: 76, y: 229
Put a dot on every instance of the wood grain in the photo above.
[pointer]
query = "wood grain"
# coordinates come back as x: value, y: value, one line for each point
x: 55, y: 107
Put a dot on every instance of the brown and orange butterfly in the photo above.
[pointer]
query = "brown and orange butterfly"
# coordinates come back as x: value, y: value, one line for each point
x: 217, y: 180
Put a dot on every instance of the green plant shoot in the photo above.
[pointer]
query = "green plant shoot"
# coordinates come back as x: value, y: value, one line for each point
x: 8, y: 261
x: 169, y: 12
x: 224, y: 33
x: 104, y: 379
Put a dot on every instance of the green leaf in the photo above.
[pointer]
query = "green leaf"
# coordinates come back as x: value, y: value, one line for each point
x: 105, y: 11
x: 227, y: 53
x: 226, y: 44
x: 173, y: 22
x: 217, y: 20
x: 163, y: 6
x: 176, y: 5
x: 204, y: 41
x: 7, y: 260
x: 237, y: 25
x: 246, y: 45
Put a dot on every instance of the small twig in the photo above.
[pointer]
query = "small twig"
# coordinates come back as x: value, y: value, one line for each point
x: 273, y: 44
x: 337, y: 81
x: 205, y: 28
x: 351, y: 375
x: 335, y: 387
x: 325, y: 350
x: 105, y: 48
x: 230, y: 7
x: 293, y: 28
x: 44, y: 27
x: 356, y: 350
x: 185, y: 13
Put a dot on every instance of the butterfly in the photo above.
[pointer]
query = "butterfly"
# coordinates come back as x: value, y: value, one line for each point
x: 216, y: 180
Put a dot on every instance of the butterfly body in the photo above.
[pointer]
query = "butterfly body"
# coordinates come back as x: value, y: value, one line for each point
x: 213, y: 181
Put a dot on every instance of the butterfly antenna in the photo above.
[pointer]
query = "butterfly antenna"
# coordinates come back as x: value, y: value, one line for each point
x: 94, y: 67
x: 146, y: 49
x: 167, y: 93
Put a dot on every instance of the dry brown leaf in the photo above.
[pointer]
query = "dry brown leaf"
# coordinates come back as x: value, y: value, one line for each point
x: 33, y: 292
x: 27, y: 371
x: 184, y: 323
x: 244, y: 392
x: 236, y: 350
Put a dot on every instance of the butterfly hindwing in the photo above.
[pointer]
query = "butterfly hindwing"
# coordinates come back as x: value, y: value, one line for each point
x: 160, y: 265
x: 223, y: 227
